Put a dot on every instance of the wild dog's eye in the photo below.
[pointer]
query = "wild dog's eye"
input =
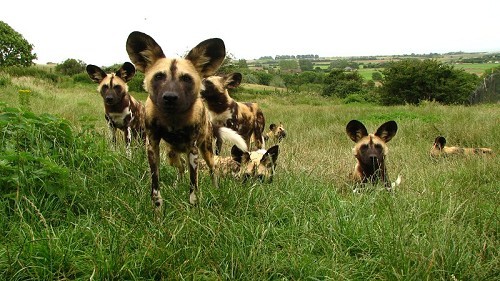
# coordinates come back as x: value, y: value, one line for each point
x: 364, y: 147
x: 104, y: 88
x: 378, y: 146
x: 117, y: 88
x: 159, y: 76
x: 186, y: 78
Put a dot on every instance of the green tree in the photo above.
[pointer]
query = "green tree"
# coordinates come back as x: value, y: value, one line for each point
x: 343, y: 63
x: 289, y: 65
x: 14, y: 49
x: 306, y: 65
x: 413, y: 80
x: 377, y: 76
x: 71, y: 67
x: 340, y: 83
x: 242, y: 64
x: 263, y: 77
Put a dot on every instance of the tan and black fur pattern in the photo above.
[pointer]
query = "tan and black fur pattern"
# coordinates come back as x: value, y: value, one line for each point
x: 246, y: 118
x: 370, y: 151
x: 122, y: 111
x: 276, y: 133
x: 259, y: 164
x: 439, y: 148
x: 175, y: 112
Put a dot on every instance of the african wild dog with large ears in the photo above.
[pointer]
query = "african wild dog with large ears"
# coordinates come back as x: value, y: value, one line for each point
x: 439, y: 148
x: 175, y: 112
x: 122, y: 111
x: 244, y: 117
x: 370, y: 151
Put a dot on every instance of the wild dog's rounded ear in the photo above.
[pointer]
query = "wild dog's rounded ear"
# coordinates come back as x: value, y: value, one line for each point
x: 440, y: 141
x: 237, y: 154
x: 271, y: 156
x: 126, y: 72
x: 387, y: 130
x: 143, y: 50
x: 95, y: 73
x: 356, y: 130
x: 208, y: 56
x: 233, y: 80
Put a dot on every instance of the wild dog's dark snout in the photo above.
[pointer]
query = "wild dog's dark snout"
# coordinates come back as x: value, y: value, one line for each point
x: 170, y: 97
x: 109, y: 99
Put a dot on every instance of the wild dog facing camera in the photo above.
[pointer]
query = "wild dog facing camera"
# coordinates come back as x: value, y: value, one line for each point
x: 370, y: 151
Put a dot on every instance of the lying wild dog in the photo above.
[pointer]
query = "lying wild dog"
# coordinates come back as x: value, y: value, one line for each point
x: 370, y: 151
x: 439, y: 148
x: 259, y: 164
x: 175, y: 112
x: 122, y: 111
x: 245, y: 118
x: 276, y: 133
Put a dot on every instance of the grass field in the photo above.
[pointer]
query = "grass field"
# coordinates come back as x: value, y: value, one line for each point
x: 73, y: 208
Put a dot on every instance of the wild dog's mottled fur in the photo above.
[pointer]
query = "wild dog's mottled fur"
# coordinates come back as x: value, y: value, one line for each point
x: 439, y: 148
x: 370, y: 151
x: 276, y: 133
x: 245, y: 118
x: 259, y: 164
x: 175, y: 112
x: 122, y: 111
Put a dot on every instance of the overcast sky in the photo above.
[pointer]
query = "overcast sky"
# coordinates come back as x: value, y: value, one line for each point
x: 96, y: 31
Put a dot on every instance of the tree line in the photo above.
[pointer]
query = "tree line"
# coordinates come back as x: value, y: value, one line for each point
x: 408, y: 81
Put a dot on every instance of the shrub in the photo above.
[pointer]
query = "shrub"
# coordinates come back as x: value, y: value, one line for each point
x: 136, y: 84
x: 71, y: 67
x: 30, y: 150
x: 82, y: 78
x: 5, y: 80
x: 412, y: 80
x: 32, y: 71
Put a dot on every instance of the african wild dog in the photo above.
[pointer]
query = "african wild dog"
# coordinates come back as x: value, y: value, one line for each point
x: 175, y: 112
x: 276, y: 133
x: 439, y: 148
x: 244, y: 117
x: 370, y: 151
x: 259, y: 164
x: 122, y: 111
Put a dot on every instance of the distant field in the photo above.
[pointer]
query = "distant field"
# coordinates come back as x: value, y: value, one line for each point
x: 476, y: 68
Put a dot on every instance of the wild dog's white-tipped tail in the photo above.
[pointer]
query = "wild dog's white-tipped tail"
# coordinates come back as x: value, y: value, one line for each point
x: 397, y: 182
x: 233, y: 137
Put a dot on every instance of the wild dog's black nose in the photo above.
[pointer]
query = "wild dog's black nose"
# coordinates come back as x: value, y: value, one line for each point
x: 109, y: 100
x: 282, y: 135
x: 170, y: 97
x: 246, y: 177
x: 261, y: 178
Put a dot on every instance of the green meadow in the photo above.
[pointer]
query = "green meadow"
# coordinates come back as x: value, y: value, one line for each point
x: 75, y: 208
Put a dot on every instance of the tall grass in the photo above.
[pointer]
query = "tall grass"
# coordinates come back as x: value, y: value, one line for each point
x: 77, y: 209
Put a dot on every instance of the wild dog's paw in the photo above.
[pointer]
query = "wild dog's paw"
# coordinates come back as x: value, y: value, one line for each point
x: 156, y: 198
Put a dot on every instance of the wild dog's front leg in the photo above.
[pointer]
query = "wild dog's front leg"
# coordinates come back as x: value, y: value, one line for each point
x: 193, y: 174
x: 112, y: 130
x: 153, y: 148
x: 128, y: 139
x: 259, y: 127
